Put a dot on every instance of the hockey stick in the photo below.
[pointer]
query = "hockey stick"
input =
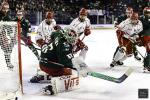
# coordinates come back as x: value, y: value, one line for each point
x: 83, y: 38
x: 26, y: 45
x: 102, y: 76
x: 110, y: 78
x: 136, y: 49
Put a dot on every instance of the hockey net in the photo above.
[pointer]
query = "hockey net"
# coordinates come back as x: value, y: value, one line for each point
x: 10, y: 60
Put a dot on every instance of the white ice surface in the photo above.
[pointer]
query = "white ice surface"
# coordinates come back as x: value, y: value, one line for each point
x: 102, y: 44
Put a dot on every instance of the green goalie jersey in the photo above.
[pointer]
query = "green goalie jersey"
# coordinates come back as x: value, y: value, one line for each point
x: 62, y: 48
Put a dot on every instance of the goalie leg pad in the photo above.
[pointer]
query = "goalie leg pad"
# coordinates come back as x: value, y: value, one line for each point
x: 62, y: 84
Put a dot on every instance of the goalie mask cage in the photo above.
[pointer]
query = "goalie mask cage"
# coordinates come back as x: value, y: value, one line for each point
x: 10, y: 60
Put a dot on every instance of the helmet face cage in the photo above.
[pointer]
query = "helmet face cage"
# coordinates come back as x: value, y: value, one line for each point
x: 70, y: 36
x: 49, y: 17
x: 83, y: 13
x: 134, y: 18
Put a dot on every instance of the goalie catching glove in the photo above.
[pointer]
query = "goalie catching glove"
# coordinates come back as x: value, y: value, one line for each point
x: 57, y: 27
x: 80, y: 66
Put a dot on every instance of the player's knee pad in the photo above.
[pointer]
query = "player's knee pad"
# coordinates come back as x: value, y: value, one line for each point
x: 120, y: 53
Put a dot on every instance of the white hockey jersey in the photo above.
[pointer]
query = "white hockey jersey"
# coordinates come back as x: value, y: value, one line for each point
x: 79, y: 26
x: 129, y: 28
x: 44, y: 30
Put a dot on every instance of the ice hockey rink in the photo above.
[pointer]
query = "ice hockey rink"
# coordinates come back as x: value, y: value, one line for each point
x: 102, y: 44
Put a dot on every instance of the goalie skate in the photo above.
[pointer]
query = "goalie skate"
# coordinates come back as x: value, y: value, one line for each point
x: 50, y: 89
x: 40, y: 79
x: 114, y: 63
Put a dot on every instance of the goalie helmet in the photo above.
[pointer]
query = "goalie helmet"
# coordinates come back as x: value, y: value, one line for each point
x: 129, y: 11
x: 49, y: 17
x: 20, y: 14
x: 146, y: 11
x: 134, y: 18
x: 70, y: 35
x: 83, y: 14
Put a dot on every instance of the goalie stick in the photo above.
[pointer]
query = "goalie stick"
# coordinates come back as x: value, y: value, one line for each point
x: 26, y: 45
x: 102, y: 76
x: 110, y: 78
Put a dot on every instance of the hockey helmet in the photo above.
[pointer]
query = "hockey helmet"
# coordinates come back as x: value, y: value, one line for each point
x: 83, y: 13
x: 146, y: 11
x: 129, y: 11
x: 49, y: 17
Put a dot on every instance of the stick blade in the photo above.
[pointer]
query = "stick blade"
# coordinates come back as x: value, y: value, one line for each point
x: 125, y: 75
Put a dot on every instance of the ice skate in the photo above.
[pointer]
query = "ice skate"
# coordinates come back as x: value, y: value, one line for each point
x: 49, y: 90
x: 116, y: 63
x: 41, y: 79
x: 37, y: 78
x: 119, y: 63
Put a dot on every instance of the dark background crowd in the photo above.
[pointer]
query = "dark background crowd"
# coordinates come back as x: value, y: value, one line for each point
x: 67, y: 10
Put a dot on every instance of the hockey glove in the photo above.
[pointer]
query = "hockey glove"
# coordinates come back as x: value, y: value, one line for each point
x: 87, y: 31
x: 40, y: 42
x: 57, y: 27
x: 29, y: 42
x: 79, y: 45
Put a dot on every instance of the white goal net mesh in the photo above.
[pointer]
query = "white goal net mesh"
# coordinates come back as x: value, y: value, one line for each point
x: 9, y: 63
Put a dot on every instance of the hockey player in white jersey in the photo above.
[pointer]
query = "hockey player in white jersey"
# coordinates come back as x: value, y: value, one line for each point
x: 128, y: 31
x: 46, y: 27
x: 81, y: 25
